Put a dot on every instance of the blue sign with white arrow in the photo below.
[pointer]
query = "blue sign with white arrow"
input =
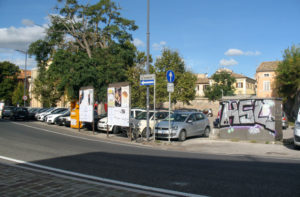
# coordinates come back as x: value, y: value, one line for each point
x: 146, y: 82
x: 170, y: 76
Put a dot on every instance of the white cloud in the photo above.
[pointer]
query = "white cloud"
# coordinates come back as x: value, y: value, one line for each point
x: 238, y: 52
x: 234, y: 52
x: 231, y: 62
x: 27, y: 22
x: 20, y: 38
x: 138, y: 43
x: 159, y: 46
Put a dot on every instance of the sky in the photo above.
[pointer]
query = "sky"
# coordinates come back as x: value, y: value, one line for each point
x: 208, y: 34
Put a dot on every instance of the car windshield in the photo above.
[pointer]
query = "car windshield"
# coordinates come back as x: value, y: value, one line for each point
x: 178, y: 117
x: 143, y: 116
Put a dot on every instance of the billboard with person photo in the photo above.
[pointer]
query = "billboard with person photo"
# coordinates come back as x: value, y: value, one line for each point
x: 86, y: 104
x: 118, y: 103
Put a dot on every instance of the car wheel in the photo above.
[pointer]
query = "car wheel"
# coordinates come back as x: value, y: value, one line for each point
x: 182, y: 136
x: 116, y: 130
x: 206, y: 132
x: 296, y: 147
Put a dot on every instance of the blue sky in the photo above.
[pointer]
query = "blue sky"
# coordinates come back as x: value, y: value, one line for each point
x: 208, y: 34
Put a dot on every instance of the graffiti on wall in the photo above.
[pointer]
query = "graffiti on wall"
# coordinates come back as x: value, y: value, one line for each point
x: 253, y: 113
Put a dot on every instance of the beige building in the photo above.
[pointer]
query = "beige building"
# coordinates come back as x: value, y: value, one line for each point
x: 244, y: 85
x: 265, y: 77
x: 201, y: 84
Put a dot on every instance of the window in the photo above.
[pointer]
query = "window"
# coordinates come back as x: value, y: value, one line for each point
x: 266, y: 75
x: 199, y: 116
x: 239, y: 85
x: 266, y: 85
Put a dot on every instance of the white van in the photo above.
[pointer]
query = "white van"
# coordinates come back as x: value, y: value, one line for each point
x: 297, y: 131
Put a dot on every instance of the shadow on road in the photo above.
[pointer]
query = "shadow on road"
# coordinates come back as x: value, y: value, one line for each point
x: 206, y: 175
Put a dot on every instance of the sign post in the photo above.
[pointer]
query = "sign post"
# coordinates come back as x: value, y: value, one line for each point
x: 170, y: 88
x: 149, y: 79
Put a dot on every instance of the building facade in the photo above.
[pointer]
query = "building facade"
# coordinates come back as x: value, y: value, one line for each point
x: 265, y: 77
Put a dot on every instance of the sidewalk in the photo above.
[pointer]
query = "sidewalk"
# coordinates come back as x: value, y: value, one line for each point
x: 16, y: 181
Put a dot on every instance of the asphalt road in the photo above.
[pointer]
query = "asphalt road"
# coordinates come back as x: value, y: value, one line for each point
x: 211, y: 175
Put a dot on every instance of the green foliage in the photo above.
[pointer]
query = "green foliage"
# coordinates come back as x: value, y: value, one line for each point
x: 8, y: 81
x: 223, y: 81
x: 98, y: 53
x: 17, y: 97
x: 184, y: 84
x: 288, y: 74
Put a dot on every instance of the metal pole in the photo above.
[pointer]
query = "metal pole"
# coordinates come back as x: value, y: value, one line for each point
x: 154, y: 110
x: 169, y: 116
x: 147, y: 70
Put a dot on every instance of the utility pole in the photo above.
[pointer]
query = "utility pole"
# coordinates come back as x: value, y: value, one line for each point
x: 147, y: 69
x: 25, y: 76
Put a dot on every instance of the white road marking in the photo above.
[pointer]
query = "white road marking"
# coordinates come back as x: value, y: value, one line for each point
x: 105, y: 180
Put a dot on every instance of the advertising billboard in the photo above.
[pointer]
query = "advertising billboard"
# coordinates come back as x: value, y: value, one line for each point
x: 118, y: 104
x: 86, y: 104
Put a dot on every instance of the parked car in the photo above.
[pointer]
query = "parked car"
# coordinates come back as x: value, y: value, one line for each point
x: 50, y: 119
x: 67, y: 121
x: 208, y: 112
x: 102, y: 123
x: 89, y: 125
x: 183, y: 125
x: 56, y: 111
x: 19, y: 113
x: 297, y: 131
x: 216, y: 123
x: 32, y: 112
x: 6, y: 112
x: 42, y: 112
x: 285, y: 123
x: 60, y: 120
x: 140, y: 121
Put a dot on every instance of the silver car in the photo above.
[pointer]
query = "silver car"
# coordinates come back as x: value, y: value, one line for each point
x: 183, y: 125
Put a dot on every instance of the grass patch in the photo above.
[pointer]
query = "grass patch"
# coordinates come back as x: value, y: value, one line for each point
x: 267, y: 142
x: 253, y: 141
x: 157, y: 141
x: 291, y: 123
x: 235, y: 140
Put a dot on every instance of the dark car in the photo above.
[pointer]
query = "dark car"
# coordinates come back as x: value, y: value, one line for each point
x: 97, y: 117
x: 19, y: 113
x: 6, y: 112
x: 32, y: 112
x: 60, y: 119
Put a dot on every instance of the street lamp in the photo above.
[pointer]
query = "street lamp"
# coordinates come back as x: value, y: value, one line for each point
x: 25, y: 75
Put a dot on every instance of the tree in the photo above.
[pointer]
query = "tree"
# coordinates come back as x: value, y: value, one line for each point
x: 91, y: 26
x: 223, y: 84
x: 85, y: 45
x: 17, y: 97
x: 287, y: 81
x: 8, y: 80
x: 184, y: 82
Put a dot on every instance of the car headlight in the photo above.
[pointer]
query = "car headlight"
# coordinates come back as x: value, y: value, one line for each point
x: 174, y: 127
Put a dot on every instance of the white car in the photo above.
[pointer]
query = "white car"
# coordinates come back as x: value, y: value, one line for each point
x: 40, y: 116
x: 141, y: 121
x: 102, y: 123
x: 297, y: 131
x: 50, y: 119
x: 54, y: 111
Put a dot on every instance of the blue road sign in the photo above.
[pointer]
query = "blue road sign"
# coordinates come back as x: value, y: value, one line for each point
x: 170, y: 76
x: 146, y: 82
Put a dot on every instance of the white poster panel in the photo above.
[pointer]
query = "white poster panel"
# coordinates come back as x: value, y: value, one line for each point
x: 118, y: 99
x: 86, y: 105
